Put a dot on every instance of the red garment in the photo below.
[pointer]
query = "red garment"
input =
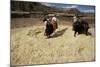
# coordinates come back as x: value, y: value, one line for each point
x: 55, y: 25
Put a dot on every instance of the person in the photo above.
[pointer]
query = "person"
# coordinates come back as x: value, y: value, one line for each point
x: 54, y: 23
x: 45, y: 19
x: 75, y: 18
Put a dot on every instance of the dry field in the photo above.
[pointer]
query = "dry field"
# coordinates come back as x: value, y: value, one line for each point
x: 30, y: 46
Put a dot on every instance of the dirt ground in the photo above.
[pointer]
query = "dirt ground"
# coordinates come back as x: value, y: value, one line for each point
x: 30, y: 46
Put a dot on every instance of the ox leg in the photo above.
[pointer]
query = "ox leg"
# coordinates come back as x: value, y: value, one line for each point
x: 75, y: 34
x: 48, y: 36
x: 86, y: 32
x: 44, y: 34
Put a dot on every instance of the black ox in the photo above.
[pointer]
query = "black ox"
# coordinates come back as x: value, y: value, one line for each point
x: 49, y: 29
x: 80, y: 27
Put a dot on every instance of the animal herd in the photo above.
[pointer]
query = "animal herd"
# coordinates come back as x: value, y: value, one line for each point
x: 79, y: 26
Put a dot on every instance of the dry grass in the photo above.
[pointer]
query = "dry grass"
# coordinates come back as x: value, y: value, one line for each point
x: 30, y: 46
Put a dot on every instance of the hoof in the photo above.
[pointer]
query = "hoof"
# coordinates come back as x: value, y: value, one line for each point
x: 44, y: 34
x: 74, y: 35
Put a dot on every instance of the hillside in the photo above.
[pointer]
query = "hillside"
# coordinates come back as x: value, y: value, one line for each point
x: 31, y: 7
x: 22, y: 6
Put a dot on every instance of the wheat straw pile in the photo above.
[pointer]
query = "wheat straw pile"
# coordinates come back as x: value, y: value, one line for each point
x: 30, y: 46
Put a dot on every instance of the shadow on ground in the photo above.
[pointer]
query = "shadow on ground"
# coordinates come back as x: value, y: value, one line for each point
x: 59, y: 33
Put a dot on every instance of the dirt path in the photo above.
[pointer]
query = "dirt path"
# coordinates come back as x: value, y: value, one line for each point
x: 30, y: 46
